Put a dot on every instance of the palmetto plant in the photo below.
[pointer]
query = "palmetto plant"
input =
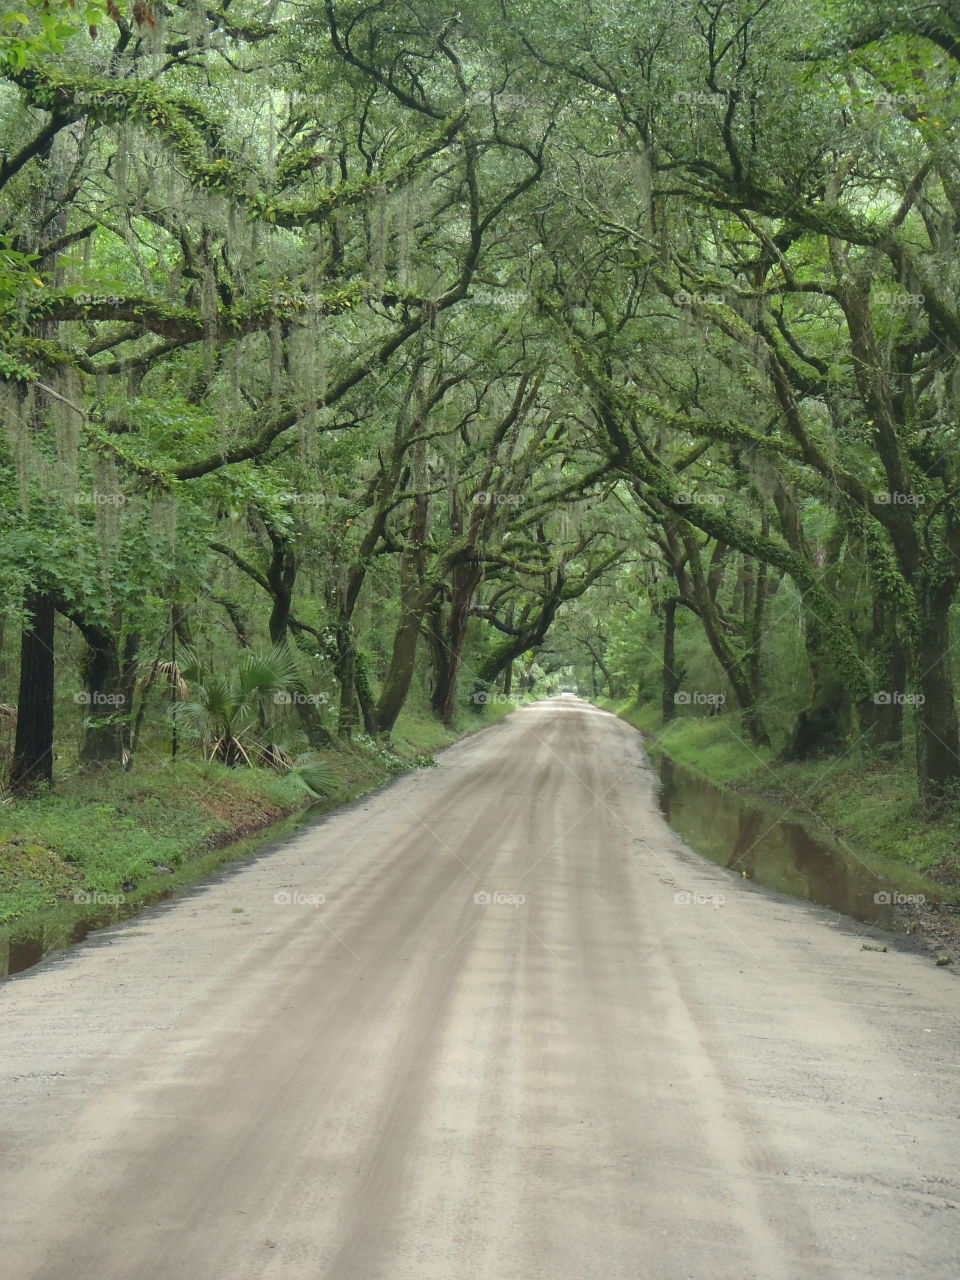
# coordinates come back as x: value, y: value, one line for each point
x: 227, y: 708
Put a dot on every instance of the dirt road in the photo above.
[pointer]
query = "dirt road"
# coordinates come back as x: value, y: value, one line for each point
x: 340, y: 1063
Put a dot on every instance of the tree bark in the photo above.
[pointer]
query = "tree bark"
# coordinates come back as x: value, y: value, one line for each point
x: 938, y: 740
x: 671, y: 676
x: 32, y: 763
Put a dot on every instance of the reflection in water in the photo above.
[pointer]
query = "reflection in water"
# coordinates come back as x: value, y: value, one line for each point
x: 20, y: 950
x: 781, y: 855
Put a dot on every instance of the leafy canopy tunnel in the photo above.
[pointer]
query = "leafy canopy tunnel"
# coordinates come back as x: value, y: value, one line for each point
x: 401, y: 354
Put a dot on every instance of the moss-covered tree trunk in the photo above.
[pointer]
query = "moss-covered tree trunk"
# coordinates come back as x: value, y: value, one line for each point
x: 938, y: 739
x: 671, y: 677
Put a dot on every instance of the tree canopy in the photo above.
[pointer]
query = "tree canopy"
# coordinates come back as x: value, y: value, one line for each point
x: 451, y: 351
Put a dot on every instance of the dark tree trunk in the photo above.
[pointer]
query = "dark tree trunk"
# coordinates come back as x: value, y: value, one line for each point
x: 361, y: 683
x: 318, y: 735
x: 938, y: 740
x: 731, y: 656
x: 823, y: 726
x: 105, y: 712
x: 396, y: 682
x: 754, y: 611
x: 436, y: 632
x: 465, y: 580
x: 881, y: 718
x: 347, y: 714
x: 735, y: 670
x: 32, y: 763
x: 529, y: 636
x: 281, y: 576
x: 415, y: 600
x: 671, y: 676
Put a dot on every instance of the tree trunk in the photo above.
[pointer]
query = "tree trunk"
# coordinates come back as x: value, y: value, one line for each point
x: 938, y: 740
x: 465, y: 580
x: 396, y: 682
x: 32, y: 763
x: 881, y: 719
x: 105, y: 718
x: 415, y: 600
x: 733, y: 659
x: 823, y: 726
x: 361, y: 683
x: 671, y: 676
x: 530, y: 636
x: 436, y: 631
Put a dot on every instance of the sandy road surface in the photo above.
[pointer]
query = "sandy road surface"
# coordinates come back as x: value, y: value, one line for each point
x: 596, y: 1083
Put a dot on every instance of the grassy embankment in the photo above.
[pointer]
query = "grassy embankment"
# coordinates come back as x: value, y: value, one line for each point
x: 866, y: 800
x: 166, y: 824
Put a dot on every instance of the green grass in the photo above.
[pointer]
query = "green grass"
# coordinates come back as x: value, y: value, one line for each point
x: 161, y: 823
x: 868, y: 801
x: 98, y: 831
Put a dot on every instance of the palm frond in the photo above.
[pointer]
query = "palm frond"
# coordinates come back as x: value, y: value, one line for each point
x: 317, y: 775
x: 265, y: 672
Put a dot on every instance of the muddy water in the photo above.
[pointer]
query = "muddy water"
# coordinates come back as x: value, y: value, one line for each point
x: 718, y: 824
x: 781, y: 854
